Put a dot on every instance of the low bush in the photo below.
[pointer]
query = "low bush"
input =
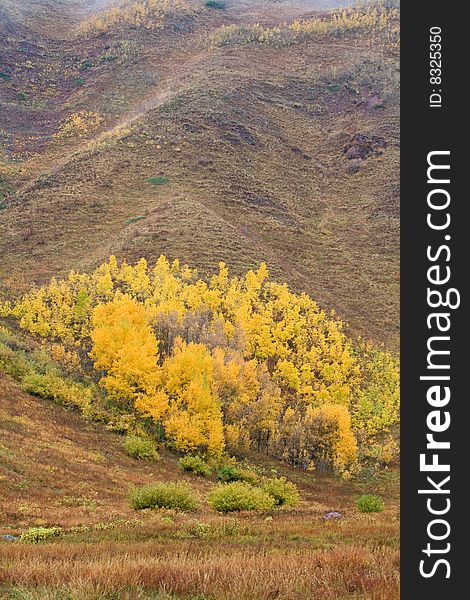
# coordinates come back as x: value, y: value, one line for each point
x: 121, y: 423
x: 141, y: 448
x: 34, y: 535
x: 195, y: 464
x: 52, y: 386
x: 13, y: 363
x: 238, y: 495
x: 135, y: 220
x: 216, y: 4
x: 158, y: 180
x: 86, y: 65
x: 229, y: 473
x: 284, y: 493
x: 178, y: 496
x: 368, y: 503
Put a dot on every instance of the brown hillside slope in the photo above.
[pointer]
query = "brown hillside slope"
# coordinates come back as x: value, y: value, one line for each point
x: 261, y: 148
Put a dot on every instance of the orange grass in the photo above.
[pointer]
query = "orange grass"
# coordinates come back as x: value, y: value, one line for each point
x: 221, y: 571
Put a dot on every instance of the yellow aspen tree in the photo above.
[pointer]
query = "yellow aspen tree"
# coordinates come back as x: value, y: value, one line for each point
x: 126, y: 351
x: 194, y: 419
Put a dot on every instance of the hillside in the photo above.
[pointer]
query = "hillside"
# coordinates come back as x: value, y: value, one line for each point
x: 245, y: 152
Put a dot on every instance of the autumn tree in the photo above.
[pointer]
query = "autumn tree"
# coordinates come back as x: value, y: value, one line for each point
x: 194, y: 418
x: 125, y: 350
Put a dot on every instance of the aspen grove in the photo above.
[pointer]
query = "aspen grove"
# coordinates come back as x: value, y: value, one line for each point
x: 218, y: 365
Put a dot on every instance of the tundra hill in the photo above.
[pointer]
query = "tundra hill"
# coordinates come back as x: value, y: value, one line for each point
x: 140, y: 141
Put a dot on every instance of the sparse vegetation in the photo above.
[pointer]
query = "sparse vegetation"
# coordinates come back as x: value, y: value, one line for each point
x: 80, y: 124
x: 177, y: 496
x: 85, y: 65
x: 369, y: 17
x: 135, y: 220
x: 148, y: 14
x: 158, y: 180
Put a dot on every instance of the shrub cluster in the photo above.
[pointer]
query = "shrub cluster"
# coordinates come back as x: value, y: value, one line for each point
x: 284, y: 493
x: 300, y: 391
x: 52, y: 386
x: 229, y: 473
x: 178, y: 496
x: 141, y: 448
x: 352, y: 20
x: 239, y: 495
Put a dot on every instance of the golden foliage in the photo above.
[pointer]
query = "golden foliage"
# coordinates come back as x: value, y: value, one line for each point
x: 80, y: 124
x: 194, y: 419
x: 236, y: 361
x: 125, y: 348
x: 372, y: 17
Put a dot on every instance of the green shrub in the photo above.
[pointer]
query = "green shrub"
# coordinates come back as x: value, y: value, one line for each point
x: 284, y: 493
x: 216, y: 4
x: 199, y: 530
x: 238, y: 495
x: 158, y: 180
x: 229, y: 473
x: 178, y: 496
x: 13, y: 363
x: 34, y: 535
x: 121, y: 423
x: 85, y: 66
x: 133, y: 220
x: 368, y: 503
x: 141, y: 448
x: 194, y: 464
